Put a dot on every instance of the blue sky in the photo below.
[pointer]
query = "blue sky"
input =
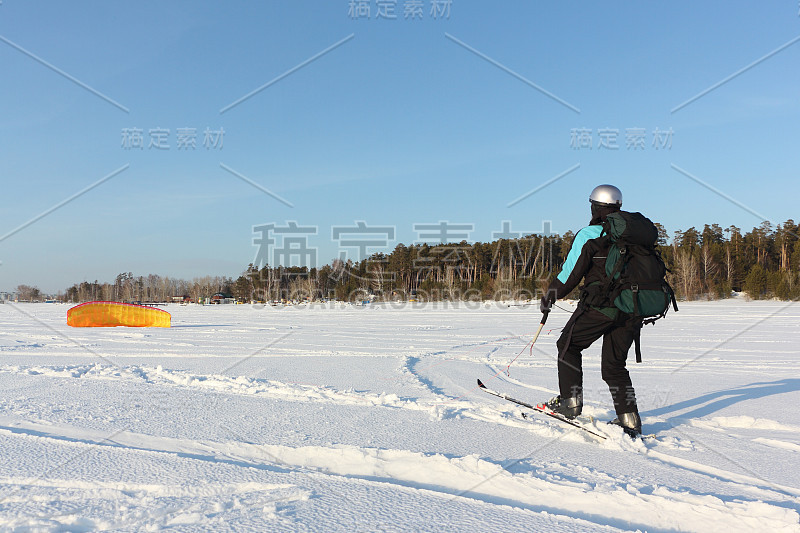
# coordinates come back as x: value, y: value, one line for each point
x: 404, y: 122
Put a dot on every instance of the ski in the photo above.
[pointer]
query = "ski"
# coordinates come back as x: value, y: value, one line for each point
x: 541, y: 409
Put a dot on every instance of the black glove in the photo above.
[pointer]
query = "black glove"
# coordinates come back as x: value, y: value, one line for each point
x: 547, y: 302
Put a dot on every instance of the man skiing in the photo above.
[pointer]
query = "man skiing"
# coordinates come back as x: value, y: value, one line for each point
x: 595, y: 317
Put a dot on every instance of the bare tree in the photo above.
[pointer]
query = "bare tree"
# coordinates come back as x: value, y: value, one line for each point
x: 378, y: 276
x: 729, y: 265
x: 28, y: 293
x: 709, y: 266
x: 686, y: 273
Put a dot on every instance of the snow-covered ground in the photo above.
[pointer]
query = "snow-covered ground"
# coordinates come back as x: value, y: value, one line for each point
x: 343, y: 418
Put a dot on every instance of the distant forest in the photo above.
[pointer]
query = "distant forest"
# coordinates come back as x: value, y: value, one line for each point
x: 709, y: 263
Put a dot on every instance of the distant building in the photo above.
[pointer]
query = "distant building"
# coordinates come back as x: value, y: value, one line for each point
x: 223, y: 298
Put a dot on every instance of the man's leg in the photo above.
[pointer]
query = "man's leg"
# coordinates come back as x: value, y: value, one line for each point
x: 588, y: 327
x: 616, y: 344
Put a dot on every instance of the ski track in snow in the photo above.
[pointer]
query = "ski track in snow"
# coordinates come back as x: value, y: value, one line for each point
x: 59, y: 504
x: 438, y: 407
x: 697, y: 475
x: 744, y: 422
x: 463, y: 477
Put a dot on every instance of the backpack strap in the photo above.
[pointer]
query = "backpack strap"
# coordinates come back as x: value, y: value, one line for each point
x: 671, y: 295
x: 618, y: 266
x: 635, y: 291
x: 637, y: 339
x: 637, y: 334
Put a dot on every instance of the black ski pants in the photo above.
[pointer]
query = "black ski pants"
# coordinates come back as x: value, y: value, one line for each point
x: 588, y: 326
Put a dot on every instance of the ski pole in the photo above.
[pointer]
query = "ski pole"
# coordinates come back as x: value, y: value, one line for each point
x: 541, y: 325
x: 536, y: 336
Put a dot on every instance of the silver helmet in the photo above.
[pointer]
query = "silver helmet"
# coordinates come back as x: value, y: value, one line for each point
x: 606, y: 195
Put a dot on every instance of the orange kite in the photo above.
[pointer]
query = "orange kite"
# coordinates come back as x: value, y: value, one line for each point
x: 110, y: 314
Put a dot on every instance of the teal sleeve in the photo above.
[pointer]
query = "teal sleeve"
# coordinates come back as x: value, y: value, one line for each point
x: 586, y: 234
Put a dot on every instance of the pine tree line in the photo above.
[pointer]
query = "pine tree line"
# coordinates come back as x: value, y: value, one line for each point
x: 503, y: 269
x: 764, y: 263
x: 708, y: 263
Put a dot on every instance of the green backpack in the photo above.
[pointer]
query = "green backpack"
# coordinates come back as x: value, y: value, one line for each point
x: 636, y: 282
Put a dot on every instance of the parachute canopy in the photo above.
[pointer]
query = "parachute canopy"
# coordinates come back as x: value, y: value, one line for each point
x: 110, y: 314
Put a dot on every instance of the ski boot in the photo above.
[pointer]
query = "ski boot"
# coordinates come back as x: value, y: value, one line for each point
x: 568, y: 407
x: 630, y: 423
